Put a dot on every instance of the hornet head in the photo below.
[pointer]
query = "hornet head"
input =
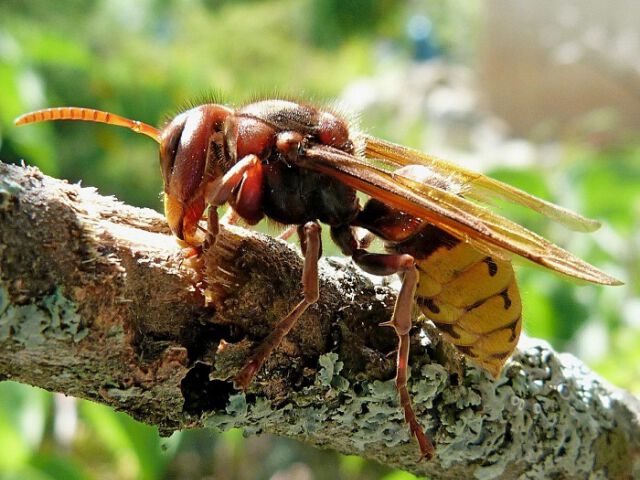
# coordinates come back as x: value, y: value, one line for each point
x: 187, y: 162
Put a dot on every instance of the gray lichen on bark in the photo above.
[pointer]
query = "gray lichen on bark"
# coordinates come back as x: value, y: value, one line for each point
x: 95, y: 302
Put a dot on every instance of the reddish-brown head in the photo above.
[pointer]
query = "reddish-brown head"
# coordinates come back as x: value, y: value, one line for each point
x: 185, y: 145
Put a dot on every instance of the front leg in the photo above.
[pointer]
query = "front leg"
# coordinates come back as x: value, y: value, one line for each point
x: 219, y: 193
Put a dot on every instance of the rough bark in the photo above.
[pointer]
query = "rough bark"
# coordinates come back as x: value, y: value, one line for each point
x: 96, y: 302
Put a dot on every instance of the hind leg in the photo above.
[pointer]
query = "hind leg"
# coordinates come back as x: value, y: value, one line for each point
x: 388, y: 264
x: 401, y: 323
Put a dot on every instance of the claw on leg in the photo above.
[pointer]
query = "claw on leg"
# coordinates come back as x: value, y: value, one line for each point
x: 244, y: 377
x: 426, y: 447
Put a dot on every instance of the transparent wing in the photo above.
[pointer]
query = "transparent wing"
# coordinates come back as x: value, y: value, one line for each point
x: 456, y: 215
x: 476, y: 185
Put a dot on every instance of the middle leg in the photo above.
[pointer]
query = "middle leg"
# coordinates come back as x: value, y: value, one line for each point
x: 311, y: 247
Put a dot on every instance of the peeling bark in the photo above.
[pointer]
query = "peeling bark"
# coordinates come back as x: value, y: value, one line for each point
x: 95, y: 302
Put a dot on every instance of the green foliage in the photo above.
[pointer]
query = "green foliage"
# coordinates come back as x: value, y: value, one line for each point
x: 398, y: 475
x: 134, y: 448
x: 163, y: 55
x: 332, y: 22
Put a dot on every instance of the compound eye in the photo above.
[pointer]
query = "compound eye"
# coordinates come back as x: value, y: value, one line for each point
x: 169, y: 147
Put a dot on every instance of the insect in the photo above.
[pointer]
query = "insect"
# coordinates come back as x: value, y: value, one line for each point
x: 301, y: 165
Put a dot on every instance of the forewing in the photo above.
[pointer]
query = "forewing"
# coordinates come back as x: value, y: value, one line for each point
x: 462, y: 218
x: 476, y: 185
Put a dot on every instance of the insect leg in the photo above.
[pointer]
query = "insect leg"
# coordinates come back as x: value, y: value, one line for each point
x: 401, y: 323
x: 388, y: 264
x: 287, y: 232
x: 310, y: 242
x: 220, y: 192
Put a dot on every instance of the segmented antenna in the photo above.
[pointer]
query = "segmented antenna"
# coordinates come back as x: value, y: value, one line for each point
x: 87, y: 115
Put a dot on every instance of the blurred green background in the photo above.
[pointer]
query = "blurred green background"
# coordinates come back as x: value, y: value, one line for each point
x: 436, y: 75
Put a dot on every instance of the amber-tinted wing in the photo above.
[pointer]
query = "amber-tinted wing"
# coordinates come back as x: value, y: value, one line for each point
x: 476, y: 185
x: 456, y: 215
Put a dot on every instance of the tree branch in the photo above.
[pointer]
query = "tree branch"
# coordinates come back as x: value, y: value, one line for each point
x: 95, y: 303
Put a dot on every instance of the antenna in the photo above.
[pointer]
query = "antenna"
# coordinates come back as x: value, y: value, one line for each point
x: 88, y: 115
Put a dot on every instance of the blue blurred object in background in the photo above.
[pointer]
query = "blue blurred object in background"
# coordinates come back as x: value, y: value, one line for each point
x: 420, y: 32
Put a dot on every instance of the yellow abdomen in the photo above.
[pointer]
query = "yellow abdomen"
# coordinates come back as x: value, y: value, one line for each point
x: 474, y: 300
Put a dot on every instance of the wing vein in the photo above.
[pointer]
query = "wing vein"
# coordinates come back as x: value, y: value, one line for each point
x: 456, y: 215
